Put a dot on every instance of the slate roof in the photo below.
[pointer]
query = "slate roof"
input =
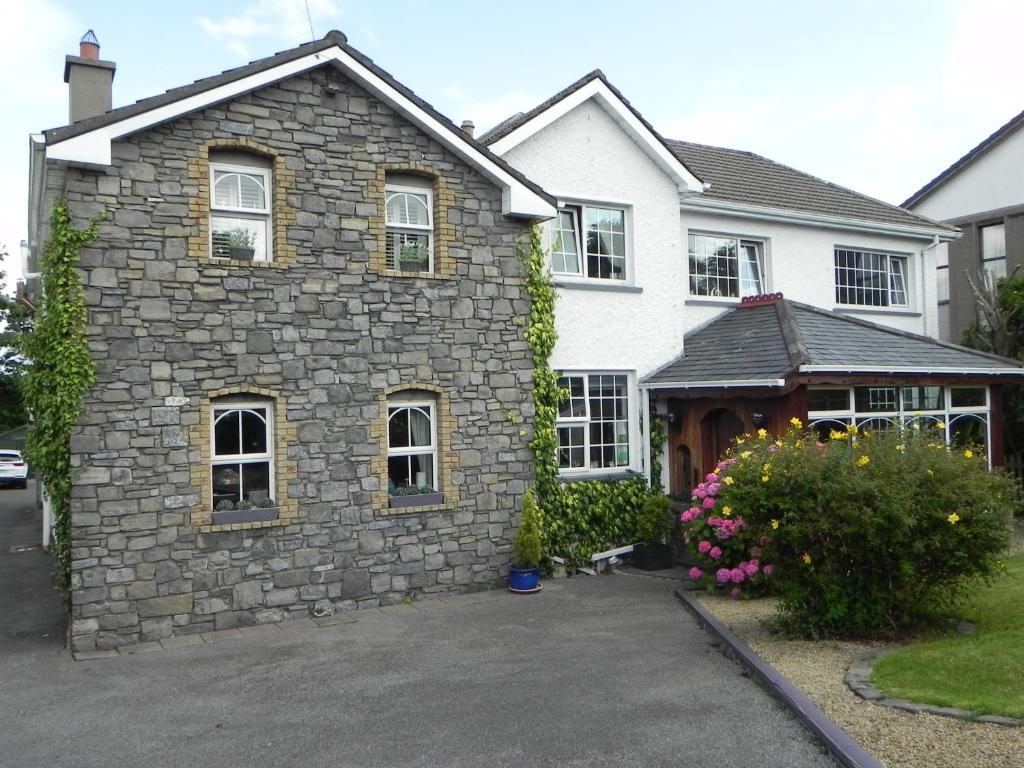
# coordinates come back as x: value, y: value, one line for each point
x: 772, y: 341
x: 744, y: 177
x: 331, y: 39
x: 1001, y: 133
x: 736, y: 176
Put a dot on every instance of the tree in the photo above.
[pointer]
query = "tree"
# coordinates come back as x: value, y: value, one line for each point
x: 1000, y: 330
x: 15, y: 324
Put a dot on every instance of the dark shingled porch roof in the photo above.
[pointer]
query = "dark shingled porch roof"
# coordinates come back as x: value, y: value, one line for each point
x: 771, y: 340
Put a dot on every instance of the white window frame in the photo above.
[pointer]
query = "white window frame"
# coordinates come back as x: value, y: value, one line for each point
x: 235, y: 212
x: 947, y: 414
x: 419, y: 450
x: 579, y: 209
x: 244, y: 458
x: 411, y: 229
x: 890, y: 290
x: 632, y: 424
x: 762, y: 264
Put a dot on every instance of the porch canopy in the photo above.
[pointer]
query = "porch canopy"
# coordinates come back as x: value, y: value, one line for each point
x: 770, y: 359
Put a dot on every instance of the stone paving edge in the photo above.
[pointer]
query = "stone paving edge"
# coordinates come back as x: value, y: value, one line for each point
x: 837, y: 741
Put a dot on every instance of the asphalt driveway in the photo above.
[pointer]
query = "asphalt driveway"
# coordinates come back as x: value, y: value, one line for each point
x: 31, y: 612
x: 594, y: 671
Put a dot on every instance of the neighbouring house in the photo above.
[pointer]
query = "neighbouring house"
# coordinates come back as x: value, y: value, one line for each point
x: 656, y: 249
x: 305, y: 312
x: 982, y: 194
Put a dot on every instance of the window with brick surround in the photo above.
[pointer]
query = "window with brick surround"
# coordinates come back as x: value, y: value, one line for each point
x: 412, y: 445
x: 242, y: 455
x: 409, y: 223
x: 240, y: 206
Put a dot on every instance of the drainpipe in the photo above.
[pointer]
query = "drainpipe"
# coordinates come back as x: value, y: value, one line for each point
x: 931, y: 319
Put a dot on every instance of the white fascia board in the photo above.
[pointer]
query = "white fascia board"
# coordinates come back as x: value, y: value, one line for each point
x: 722, y: 384
x: 93, y: 147
x: 909, y: 369
x: 596, y: 89
x: 36, y: 185
x: 787, y: 216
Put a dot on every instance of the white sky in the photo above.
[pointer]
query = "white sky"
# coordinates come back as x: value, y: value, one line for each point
x: 876, y: 96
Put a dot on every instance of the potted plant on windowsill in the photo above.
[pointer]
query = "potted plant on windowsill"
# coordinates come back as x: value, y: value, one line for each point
x: 524, y: 575
x: 413, y: 257
x: 414, y: 496
x: 652, y: 526
x: 241, y: 244
x: 245, y: 511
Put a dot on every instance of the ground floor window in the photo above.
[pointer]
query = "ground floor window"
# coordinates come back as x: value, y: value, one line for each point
x: 243, y: 456
x: 412, y: 448
x: 593, y: 422
x: 962, y: 411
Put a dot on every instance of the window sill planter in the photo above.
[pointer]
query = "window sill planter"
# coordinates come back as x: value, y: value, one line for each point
x: 242, y: 254
x: 652, y: 557
x: 524, y: 581
x: 412, y: 266
x: 227, y: 517
x: 417, y: 500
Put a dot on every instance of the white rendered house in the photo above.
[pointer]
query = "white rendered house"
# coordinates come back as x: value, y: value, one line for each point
x: 658, y: 240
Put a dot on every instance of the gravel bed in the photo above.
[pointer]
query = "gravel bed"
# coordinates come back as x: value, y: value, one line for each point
x: 897, y: 739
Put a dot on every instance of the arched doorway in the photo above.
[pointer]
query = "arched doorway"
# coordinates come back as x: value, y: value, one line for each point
x: 717, y: 431
x: 682, y: 474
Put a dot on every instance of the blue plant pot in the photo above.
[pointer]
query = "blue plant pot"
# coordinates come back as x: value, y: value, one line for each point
x: 524, y: 580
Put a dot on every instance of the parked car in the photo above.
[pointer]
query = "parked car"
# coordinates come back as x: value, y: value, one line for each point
x: 13, y: 469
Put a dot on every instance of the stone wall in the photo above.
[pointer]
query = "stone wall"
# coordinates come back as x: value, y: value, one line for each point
x: 327, y: 335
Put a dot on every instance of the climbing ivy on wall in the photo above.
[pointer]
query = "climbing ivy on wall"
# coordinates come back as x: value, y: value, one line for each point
x: 658, y: 433
x: 60, y: 374
x: 583, y: 517
x: 540, y: 338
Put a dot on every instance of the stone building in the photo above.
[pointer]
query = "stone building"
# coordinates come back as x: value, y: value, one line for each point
x: 312, y: 388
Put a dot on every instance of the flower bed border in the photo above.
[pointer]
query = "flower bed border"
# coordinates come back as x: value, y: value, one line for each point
x: 858, y: 680
x: 837, y: 741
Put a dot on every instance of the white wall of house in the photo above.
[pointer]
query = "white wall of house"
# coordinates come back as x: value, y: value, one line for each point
x: 800, y: 264
x: 586, y: 156
x: 991, y: 182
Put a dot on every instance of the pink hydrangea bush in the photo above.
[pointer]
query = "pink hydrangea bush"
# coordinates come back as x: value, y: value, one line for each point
x: 725, y: 551
x: 864, y: 535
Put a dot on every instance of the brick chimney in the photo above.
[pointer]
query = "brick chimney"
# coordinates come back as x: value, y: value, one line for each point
x: 89, y: 80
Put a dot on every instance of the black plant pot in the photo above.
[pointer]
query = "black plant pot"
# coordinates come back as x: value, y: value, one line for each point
x: 652, y: 557
x: 242, y: 254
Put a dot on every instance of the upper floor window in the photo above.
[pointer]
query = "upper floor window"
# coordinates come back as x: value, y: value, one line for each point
x: 993, y: 250
x: 409, y: 223
x: 240, y: 211
x: 871, y: 278
x: 589, y: 241
x: 726, y: 266
x: 593, y: 422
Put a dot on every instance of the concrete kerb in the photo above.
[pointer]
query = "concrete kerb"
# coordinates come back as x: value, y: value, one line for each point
x: 858, y: 680
x: 845, y: 750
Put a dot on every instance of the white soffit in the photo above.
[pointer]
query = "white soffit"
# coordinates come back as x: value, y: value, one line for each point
x: 93, y: 147
x: 596, y: 89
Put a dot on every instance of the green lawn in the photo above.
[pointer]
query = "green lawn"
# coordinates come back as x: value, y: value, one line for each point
x: 982, y: 672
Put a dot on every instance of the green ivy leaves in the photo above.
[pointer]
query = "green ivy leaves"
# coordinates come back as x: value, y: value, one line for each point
x: 60, y: 373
